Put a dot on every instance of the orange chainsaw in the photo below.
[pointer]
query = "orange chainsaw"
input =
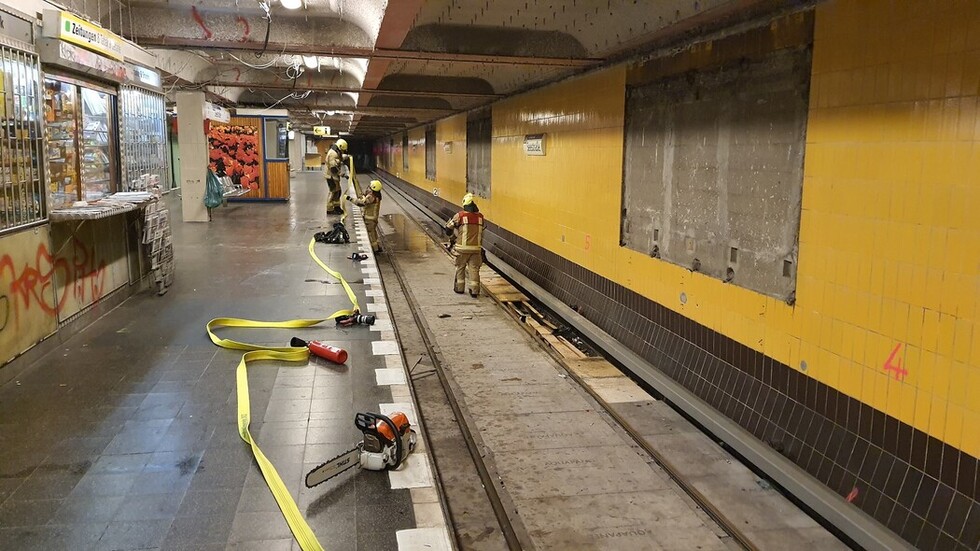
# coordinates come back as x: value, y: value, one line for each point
x: 386, y: 443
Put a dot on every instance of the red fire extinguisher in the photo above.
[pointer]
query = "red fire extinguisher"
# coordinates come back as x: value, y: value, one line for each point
x: 325, y: 351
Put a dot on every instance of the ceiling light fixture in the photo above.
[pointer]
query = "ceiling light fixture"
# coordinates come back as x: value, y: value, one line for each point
x: 311, y: 61
x: 291, y: 4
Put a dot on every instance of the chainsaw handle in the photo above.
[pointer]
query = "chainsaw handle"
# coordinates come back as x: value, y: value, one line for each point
x: 368, y: 423
x: 399, y: 446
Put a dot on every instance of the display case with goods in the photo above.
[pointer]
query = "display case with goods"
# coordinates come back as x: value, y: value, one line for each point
x: 96, y: 145
x: 21, y: 149
x: 79, y: 134
x: 61, y: 135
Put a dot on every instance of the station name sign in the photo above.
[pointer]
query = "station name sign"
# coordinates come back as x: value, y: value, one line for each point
x: 534, y: 145
x: 67, y: 27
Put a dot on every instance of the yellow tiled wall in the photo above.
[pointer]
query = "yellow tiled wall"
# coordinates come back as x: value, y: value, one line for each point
x: 450, y: 182
x: 890, y: 235
x: 568, y: 200
x: 416, y: 156
x: 890, y: 241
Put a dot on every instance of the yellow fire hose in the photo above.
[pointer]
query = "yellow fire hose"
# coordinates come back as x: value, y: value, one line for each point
x: 352, y: 186
x: 301, y: 530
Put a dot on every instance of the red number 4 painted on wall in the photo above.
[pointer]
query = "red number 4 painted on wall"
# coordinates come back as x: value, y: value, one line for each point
x: 896, y: 368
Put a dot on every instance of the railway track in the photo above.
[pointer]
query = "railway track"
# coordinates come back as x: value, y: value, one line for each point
x: 504, y: 510
x: 488, y: 479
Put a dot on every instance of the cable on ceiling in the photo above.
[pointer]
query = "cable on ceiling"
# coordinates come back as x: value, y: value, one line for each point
x: 268, y: 26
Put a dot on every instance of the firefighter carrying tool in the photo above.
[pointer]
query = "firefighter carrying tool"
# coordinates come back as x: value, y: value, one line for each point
x: 386, y: 444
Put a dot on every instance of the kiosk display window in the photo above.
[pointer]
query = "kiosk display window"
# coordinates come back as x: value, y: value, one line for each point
x: 79, y: 133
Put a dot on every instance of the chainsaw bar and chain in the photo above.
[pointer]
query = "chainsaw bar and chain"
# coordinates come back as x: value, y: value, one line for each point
x: 385, y: 445
x: 334, y: 466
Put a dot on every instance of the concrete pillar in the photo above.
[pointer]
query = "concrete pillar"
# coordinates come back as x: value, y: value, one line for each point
x: 296, y: 152
x: 193, y: 155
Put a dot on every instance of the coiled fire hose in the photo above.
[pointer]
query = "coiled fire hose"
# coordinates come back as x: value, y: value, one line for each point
x: 301, y: 530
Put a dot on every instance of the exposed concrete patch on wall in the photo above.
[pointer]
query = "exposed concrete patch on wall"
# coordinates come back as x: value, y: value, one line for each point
x: 714, y: 169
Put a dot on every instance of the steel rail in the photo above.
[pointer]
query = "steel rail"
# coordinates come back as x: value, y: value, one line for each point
x: 507, y: 527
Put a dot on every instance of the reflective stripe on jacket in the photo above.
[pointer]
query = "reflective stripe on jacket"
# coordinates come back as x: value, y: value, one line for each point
x: 470, y: 224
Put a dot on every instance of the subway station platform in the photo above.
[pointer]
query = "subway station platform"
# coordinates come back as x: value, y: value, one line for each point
x: 125, y: 437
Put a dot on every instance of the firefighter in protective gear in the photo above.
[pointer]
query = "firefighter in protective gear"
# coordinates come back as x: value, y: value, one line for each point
x: 336, y: 156
x: 468, y: 223
x: 371, y: 201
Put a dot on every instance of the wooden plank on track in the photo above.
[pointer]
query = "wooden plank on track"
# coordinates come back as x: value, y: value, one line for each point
x: 497, y: 288
x: 518, y: 305
x: 560, y: 346
x: 593, y: 368
x: 572, y: 348
x: 540, y: 329
x: 502, y: 291
x: 541, y: 317
x: 505, y: 294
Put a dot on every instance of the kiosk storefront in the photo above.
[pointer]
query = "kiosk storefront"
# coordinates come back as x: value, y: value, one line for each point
x: 105, y: 139
x: 83, y: 66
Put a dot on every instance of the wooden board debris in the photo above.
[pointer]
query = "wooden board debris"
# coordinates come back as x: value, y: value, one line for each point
x: 502, y: 291
x: 518, y: 305
x: 593, y: 368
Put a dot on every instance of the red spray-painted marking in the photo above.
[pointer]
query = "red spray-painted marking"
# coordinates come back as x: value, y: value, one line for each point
x: 248, y: 28
x: 897, y: 369
x: 200, y: 21
x: 852, y: 495
x: 35, y: 284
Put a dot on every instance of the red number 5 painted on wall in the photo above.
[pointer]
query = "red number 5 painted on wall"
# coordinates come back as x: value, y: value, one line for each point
x: 588, y: 242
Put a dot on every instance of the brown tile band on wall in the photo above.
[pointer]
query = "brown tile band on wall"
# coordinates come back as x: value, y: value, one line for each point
x: 920, y: 487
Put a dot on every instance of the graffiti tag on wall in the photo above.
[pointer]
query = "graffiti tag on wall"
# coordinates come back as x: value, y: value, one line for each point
x: 20, y: 273
x: 33, y: 285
